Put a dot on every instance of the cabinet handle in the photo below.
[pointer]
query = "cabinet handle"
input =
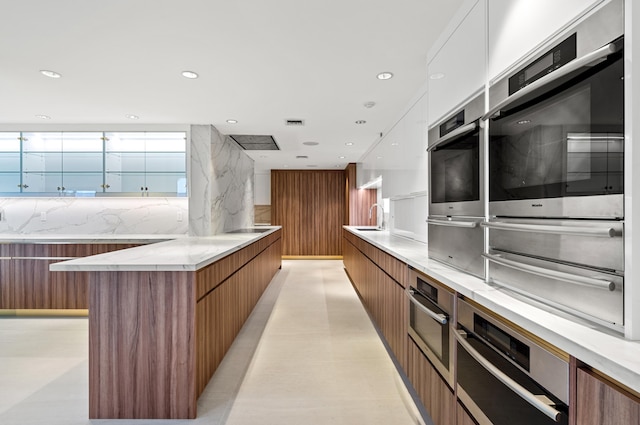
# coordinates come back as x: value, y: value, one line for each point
x: 572, y: 66
x: 506, y: 380
x: 553, y: 274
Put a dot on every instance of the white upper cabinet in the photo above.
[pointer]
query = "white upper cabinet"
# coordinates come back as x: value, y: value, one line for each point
x: 457, y: 64
x: 518, y: 27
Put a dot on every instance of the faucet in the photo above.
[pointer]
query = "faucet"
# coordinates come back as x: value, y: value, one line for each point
x: 382, y: 224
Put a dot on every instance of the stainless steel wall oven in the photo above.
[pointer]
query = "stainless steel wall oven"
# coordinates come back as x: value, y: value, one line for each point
x: 504, y: 377
x: 430, y: 314
x: 456, y: 203
x: 556, y: 176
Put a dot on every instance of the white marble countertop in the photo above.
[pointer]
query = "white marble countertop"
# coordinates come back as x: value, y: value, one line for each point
x: 611, y: 354
x: 85, y: 239
x: 181, y: 254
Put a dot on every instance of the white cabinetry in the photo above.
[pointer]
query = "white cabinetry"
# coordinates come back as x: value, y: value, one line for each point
x: 459, y: 59
x: 517, y: 27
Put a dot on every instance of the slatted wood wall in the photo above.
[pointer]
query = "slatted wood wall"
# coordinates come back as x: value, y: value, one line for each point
x: 310, y: 206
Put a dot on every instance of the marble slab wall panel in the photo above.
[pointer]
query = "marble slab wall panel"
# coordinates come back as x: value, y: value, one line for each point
x: 222, y: 183
x: 93, y: 216
x: 200, y: 175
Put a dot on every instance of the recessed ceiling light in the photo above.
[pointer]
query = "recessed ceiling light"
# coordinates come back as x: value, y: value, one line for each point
x: 342, y: 157
x: 132, y: 117
x: 378, y: 157
x: 301, y: 157
x: 286, y: 166
x: 232, y: 121
x: 263, y: 156
x: 436, y: 76
x: 361, y: 122
x: 395, y: 144
x: 311, y: 143
x: 369, y: 105
x: 189, y: 74
x: 349, y: 144
x: 522, y: 122
x: 311, y: 166
x: 43, y: 117
x: 385, y: 76
x: 50, y: 74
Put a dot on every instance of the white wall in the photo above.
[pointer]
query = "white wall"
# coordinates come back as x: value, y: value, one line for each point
x: 262, y: 189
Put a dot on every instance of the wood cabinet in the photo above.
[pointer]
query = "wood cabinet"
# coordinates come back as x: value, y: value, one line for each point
x: 463, y: 417
x: 27, y: 283
x: 380, y: 280
x: 435, y: 394
x: 157, y: 337
x: 599, y: 402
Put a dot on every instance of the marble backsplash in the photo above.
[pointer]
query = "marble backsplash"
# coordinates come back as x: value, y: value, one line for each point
x: 52, y: 216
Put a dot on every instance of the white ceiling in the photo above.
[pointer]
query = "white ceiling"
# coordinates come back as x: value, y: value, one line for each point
x: 260, y: 62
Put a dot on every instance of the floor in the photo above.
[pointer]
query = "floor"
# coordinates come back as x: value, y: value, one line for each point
x: 308, y: 354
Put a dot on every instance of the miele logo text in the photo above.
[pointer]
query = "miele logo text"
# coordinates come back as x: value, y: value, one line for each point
x: 536, y: 205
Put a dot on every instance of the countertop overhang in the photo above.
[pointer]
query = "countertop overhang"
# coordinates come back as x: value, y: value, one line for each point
x: 617, y: 357
x: 180, y: 254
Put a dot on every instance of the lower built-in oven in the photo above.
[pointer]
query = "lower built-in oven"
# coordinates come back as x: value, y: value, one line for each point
x: 430, y: 315
x: 505, y: 378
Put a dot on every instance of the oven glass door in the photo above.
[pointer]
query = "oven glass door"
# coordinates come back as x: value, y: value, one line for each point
x: 432, y: 333
x: 499, y: 403
x: 566, y: 142
x: 455, y: 175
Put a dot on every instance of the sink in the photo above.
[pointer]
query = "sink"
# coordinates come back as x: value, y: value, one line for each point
x: 368, y: 229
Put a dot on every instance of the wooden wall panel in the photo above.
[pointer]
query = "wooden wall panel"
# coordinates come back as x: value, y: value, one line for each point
x: 310, y: 207
x: 6, y: 288
x: 141, y: 336
x: 359, y: 201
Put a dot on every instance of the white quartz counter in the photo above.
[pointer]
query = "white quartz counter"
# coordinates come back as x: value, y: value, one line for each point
x: 181, y: 254
x: 613, y: 355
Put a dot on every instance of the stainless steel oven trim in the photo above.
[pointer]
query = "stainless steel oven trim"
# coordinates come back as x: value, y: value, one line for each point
x: 518, y: 389
x: 574, y: 65
x: 609, y: 207
x: 460, y: 131
x: 609, y: 232
x: 446, y: 371
x: 552, y: 274
x: 440, y: 318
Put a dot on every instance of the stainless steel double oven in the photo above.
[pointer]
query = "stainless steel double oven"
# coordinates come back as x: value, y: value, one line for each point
x: 456, y: 203
x: 556, y: 173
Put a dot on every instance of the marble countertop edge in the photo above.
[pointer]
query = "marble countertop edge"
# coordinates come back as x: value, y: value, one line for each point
x: 613, y: 355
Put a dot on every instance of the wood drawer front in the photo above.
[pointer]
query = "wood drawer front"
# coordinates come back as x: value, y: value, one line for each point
x: 600, y: 403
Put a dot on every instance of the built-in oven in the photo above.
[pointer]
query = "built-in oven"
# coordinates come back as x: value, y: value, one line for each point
x: 556, y: 173
x: 556, y: 128
x: 456, y: 201
x: 504, y: 377
x: 431, y: 310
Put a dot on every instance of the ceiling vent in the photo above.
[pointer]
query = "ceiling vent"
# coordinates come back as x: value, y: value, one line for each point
x: 294, y: 122
x: 255, y: 143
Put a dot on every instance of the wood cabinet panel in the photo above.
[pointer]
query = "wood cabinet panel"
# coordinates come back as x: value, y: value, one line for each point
x: 310, y: 207
x: 141, y: 328
x: 359, y: 201
x: 6, y: 288
x: 434, y: 393
x: 600, y: 403
x: 463, y: 417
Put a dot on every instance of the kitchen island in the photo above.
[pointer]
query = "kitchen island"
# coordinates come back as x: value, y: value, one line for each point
x: 162, y: 316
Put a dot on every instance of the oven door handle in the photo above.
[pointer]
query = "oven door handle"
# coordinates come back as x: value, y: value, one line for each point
x: 553, y: 274
x: 460, y: 131
x: 440, y: 318
x: 607, y: 232
x: 572, y: 66
x: 506, y: 380
x: 452, y: 223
